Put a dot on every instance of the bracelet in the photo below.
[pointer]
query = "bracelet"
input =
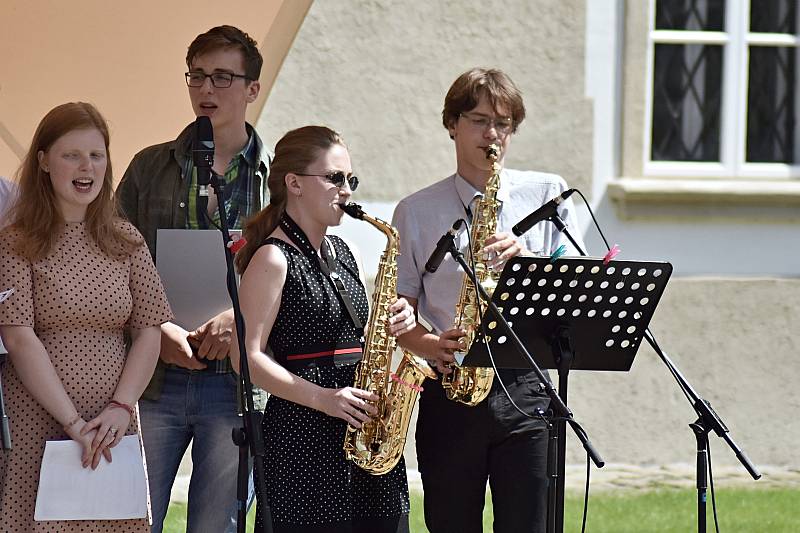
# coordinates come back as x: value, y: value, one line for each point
x: 71, y: 423
x: 114, y: 403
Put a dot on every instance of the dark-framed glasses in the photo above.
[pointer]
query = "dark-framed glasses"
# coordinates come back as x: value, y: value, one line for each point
x: 338, y: 178
x: 502, y: 125
x: 220, y: 80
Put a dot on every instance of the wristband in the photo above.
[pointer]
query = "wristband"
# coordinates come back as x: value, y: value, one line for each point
x: 114, y: 403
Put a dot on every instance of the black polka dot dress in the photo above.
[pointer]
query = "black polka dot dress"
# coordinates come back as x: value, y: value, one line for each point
x: 310, y: 484
x: 78, y: 301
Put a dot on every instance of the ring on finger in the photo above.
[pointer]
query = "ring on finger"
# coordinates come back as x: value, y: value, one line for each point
x: 113, y: 431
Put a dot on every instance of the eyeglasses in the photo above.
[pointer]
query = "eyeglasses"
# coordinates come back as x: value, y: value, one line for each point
x: 502, y: 125
x: 220, y: 80
x: 337, y: 178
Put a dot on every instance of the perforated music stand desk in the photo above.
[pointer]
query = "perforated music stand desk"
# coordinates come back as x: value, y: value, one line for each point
x: 604, y: 308
x: 575, y: 313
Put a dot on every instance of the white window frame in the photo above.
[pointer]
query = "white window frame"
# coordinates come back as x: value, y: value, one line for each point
x: 733, y: 120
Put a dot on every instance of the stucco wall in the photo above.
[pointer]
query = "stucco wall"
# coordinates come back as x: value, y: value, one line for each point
x: 736, y: 342
x: 634, y: 76
x: 378, y: 71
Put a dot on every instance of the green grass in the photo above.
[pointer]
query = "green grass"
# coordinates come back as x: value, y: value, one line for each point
x: 625, y: 511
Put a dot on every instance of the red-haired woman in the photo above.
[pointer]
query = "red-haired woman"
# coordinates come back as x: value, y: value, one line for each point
x: 81, y: 277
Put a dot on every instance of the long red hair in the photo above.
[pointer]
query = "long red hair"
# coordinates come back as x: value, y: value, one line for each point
x: 35, y: 213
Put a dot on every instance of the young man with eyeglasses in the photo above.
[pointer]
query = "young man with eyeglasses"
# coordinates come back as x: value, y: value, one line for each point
x: 193, y: 393
x: 459, y: 447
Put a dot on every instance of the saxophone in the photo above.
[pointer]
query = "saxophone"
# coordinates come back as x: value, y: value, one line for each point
x: 470, y: 385
x: 378, y: 445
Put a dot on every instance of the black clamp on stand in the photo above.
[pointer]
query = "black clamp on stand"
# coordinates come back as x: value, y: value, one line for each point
x: 5, y: 427
x: 495, y: 320
x: 249, y: 438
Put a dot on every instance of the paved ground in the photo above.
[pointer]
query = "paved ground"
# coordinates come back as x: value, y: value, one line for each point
x: 619, y: 476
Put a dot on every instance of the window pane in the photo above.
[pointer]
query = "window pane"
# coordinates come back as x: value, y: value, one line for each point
x: 686, y: 102
x: 694, y: 15
x: 773, y: 16
x: 770, y: 105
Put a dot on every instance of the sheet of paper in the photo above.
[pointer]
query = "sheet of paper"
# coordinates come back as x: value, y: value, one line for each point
x: 3, y: 295
x: 191, y: 263
x: 6, y: 293
x: 115, y: 491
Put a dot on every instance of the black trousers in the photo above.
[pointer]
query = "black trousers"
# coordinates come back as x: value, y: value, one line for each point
x: 459, y: 448
x: 374, y: 525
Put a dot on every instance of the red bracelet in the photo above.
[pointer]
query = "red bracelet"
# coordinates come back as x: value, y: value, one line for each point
x: 127, y: 407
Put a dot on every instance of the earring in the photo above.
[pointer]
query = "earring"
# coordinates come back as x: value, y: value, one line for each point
x: 46, y: 170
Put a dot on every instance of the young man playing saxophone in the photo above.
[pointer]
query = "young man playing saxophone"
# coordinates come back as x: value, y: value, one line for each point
x: 460, y: 447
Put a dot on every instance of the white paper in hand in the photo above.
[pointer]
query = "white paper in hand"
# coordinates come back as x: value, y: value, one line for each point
x: 5, y: 294
x: 115, y: 491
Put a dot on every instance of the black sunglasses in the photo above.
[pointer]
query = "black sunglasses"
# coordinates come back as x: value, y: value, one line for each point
x: 337, y: 178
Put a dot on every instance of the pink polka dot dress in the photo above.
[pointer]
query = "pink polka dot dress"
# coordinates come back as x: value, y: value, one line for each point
x: 79, y: 302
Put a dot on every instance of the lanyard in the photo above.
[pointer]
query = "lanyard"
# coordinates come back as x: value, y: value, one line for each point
x: 327, y: 263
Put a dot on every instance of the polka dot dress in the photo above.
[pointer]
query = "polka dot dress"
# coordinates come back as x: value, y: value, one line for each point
x: 78, y: 300
x: 309, y: 481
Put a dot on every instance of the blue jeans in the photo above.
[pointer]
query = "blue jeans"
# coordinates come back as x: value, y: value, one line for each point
x: 199, y: 407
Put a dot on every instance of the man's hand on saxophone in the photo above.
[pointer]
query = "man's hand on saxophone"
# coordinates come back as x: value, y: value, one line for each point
x: 499, y: 248
x: 401, y: 317
x: 447, y: 343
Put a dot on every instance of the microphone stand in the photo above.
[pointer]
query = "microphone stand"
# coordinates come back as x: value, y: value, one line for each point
x: 250, y: 434
x: 707, y: 418
x: 559, y: 408
x: 562, y: 227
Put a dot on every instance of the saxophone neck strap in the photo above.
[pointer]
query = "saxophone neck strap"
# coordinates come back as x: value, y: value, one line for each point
x: 327, y: 264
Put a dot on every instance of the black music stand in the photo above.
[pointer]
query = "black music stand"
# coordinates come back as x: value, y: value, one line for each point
x: 576, y: 313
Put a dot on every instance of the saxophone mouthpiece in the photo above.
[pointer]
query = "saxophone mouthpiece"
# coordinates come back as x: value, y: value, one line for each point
x: 353, y: 209
x: 493, y: 152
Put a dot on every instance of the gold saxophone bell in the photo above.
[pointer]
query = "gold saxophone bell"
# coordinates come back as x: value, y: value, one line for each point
x: 378, y: 445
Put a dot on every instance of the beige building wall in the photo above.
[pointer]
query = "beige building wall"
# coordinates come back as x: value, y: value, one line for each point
x: 378, y: 71
x: 736, y: 342
x: 729, y: 316
x: 127, y: 58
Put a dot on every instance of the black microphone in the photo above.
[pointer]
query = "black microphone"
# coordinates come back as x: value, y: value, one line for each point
x: 203, y: 152
x: 442, y: 247
x: 543, y: 213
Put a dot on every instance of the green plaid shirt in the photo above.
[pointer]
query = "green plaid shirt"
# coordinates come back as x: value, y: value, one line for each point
x: 155, y: 193
x: 238, y: 193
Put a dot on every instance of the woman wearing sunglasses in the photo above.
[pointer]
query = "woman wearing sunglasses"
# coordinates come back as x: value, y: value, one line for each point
x: 303, y: 342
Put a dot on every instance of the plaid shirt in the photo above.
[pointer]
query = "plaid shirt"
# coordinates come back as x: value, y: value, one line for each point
x: 238, y: 193
x: 155, y: 193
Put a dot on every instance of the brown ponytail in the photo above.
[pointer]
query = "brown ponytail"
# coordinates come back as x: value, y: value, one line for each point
x: 295, y: 152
